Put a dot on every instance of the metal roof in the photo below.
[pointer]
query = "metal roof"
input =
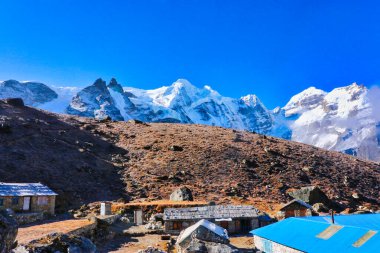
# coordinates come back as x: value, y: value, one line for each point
x: 369, y: 221
x: 210, y: 212
x: 305, y: 235
x: 26, y: 189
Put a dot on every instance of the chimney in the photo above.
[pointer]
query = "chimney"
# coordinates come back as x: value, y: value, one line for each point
x: 332, y: 216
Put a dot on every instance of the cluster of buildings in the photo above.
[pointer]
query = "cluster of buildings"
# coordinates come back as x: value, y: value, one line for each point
x: 300, y: 230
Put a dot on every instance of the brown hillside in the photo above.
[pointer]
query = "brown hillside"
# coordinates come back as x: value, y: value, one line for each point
x: 85, y: 160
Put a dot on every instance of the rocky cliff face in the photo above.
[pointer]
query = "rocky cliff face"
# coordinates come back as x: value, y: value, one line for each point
x: 8, y: 232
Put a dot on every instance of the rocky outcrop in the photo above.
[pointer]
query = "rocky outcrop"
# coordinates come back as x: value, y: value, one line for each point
x: 58, y: 243
x: 182, y: 194
x: 8, y: 231
x: 310, y: 195
x: 199, y: 246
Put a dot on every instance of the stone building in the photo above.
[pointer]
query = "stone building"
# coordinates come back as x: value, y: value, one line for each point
x: 235, y: 219
x: 295, y: 208
x: 27, y: 197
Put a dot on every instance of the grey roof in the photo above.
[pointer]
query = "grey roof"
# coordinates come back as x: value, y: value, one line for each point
x: 210, y: 212
x: 28, y: 189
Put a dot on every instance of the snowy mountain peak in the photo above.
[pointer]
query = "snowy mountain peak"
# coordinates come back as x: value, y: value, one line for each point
x: 305, y: 100
x: 251, y: 100
x: 114, y: 85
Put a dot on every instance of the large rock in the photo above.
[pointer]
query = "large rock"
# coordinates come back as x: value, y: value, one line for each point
x: 182, y: 194
x: 58, y: 243
x: 310, y: 195
x: 199, y: 246
x: 8, y: 231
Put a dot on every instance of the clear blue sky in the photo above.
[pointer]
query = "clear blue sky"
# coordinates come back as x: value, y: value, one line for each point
x: 271, y: 48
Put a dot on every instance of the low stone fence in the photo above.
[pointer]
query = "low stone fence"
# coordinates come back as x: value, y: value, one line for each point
x: 89, y: 229
x: 25, y: 218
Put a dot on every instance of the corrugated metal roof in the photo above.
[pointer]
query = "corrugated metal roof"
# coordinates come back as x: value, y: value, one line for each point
x: 301, y: 234
x: 26, y: 189
x: 369, y: 221
x: 210, y: 212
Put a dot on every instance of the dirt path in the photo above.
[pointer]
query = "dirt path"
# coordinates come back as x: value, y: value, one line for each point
x: 29, y: 233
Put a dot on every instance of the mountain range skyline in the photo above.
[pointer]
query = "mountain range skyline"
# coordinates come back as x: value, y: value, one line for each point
x: 346, y: 119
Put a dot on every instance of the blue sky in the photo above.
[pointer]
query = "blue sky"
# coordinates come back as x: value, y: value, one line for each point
x: 274, y: 49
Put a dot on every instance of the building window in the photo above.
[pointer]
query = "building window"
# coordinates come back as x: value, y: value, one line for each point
x: 15, y: 201
x: 1, y: 202
x: 41, y: 201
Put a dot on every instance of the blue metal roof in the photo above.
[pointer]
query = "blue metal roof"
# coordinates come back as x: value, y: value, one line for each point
x: 369, y: 221
x: 301, y: 234
x: 26, y: 189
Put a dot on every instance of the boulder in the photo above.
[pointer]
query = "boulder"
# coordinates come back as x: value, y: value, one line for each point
x: 182, y: 194
x: 58, y: 242
x: 311, y: 195
x: 320, y: 208
x: 14, y: 101
x: 176, y: 148
x: 199, y: 246
x: 8, y: 231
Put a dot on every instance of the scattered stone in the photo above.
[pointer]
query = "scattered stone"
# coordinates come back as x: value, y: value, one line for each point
x: 5, y: 128
x: 151, y: 249
x: 14, y: 101
x: 155, y: 222
x: 182, y: 194
x: 175, y: 148
x: 58, y: 242
x: 356, y: 195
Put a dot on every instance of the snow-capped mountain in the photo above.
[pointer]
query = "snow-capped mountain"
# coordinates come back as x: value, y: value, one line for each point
x: 342, y: 120
x: 181, y: 102
x: 347, y: 119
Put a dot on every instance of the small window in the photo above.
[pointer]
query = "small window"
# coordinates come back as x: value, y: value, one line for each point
x: 1, y: 202
x: 15, y: 201
x: 41, y: 201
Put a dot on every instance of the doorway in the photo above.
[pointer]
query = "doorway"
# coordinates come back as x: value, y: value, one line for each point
x: 26, y: 205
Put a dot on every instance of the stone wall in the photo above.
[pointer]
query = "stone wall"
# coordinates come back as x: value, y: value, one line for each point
x: 34, y: 206
x: 268, y: 246
x: 25, y: 218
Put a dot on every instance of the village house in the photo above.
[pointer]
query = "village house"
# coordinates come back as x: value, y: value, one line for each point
x: 235, y: 219
x: 295, y: 208
x: 342, y: 233
x: 27, y: 197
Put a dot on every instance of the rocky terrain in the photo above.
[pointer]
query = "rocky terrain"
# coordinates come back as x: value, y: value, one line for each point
x: 84, y: 159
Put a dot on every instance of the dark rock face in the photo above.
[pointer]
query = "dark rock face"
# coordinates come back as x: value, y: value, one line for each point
x: 311, y: 195
x: 8, y: 232
x: 182, y: 194
x: 14, y: 101
x: 31, y: 93
x: 58, y: 243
